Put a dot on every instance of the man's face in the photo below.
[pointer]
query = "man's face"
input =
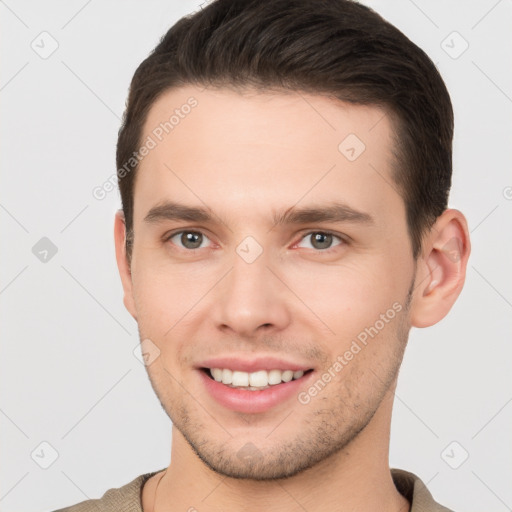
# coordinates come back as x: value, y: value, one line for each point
x: 239, y: 285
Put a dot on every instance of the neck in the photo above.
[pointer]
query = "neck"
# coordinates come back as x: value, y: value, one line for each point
x: 356, y: 478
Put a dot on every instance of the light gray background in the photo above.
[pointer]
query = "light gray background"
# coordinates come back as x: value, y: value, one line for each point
x: 68, y: 372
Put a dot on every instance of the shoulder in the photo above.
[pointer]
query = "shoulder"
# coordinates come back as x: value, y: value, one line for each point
x: 412, y: 487
x: 126, y: 498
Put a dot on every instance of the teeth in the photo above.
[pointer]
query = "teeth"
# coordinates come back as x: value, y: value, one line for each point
x: 258, y: 379
x: 240, y: 379
x: 274, y: 377
x: 216, y: 374
x: 261, y: 379
x: 227, y: 376
x: 287, y: 376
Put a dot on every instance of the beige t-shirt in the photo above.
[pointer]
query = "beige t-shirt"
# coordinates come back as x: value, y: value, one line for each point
x: 129, y: 497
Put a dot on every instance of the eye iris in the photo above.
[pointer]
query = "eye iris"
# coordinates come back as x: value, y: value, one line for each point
x: 321, y: 240
x: 191, y: 240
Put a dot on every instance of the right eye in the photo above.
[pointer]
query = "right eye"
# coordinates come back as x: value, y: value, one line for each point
x: 189, y: 240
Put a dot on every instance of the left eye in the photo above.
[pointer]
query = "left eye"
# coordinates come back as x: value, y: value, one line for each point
x: 321, y: 240
x: 189, y: 239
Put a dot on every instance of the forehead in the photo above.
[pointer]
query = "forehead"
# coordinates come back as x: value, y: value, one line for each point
x: 257, y: 151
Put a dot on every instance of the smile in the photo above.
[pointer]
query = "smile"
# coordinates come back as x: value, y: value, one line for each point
x: 254, y: 381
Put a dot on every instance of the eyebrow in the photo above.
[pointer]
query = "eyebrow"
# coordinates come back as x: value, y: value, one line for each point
x: 332, y: 212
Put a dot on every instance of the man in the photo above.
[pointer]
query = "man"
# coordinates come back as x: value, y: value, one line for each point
x: 284, y: 169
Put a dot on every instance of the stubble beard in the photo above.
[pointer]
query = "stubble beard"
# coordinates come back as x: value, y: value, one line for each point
x: 337, y: 417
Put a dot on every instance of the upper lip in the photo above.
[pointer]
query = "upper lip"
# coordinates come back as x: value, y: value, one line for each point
x: 252, y: 365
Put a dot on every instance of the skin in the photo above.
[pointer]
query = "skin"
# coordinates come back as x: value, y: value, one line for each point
x: 245, y: 156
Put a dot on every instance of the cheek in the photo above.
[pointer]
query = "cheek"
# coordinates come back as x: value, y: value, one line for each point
x: 351, y: 297
x: 155, y: 309
x: 165, y: 296
x: 161, y: 313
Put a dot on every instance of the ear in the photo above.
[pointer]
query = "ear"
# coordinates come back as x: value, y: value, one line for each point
x: 441, y: 269
x: 122, y: 262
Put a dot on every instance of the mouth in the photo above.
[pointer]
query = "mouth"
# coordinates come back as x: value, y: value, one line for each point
x: 254, y: 381
x: 254, y: 385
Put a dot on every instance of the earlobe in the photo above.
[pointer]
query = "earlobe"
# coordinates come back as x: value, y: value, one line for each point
x: 441, y: 269
x: 122, y: 262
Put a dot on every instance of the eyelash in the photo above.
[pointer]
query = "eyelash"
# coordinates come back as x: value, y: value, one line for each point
x: 342, y: 239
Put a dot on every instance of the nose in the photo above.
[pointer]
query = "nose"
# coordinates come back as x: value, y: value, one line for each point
x: 251, y: 299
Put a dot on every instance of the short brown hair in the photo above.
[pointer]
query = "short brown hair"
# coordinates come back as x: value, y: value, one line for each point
x: 329, y: 47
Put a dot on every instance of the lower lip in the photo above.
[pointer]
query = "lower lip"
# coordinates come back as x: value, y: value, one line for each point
x: 243, y: 400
